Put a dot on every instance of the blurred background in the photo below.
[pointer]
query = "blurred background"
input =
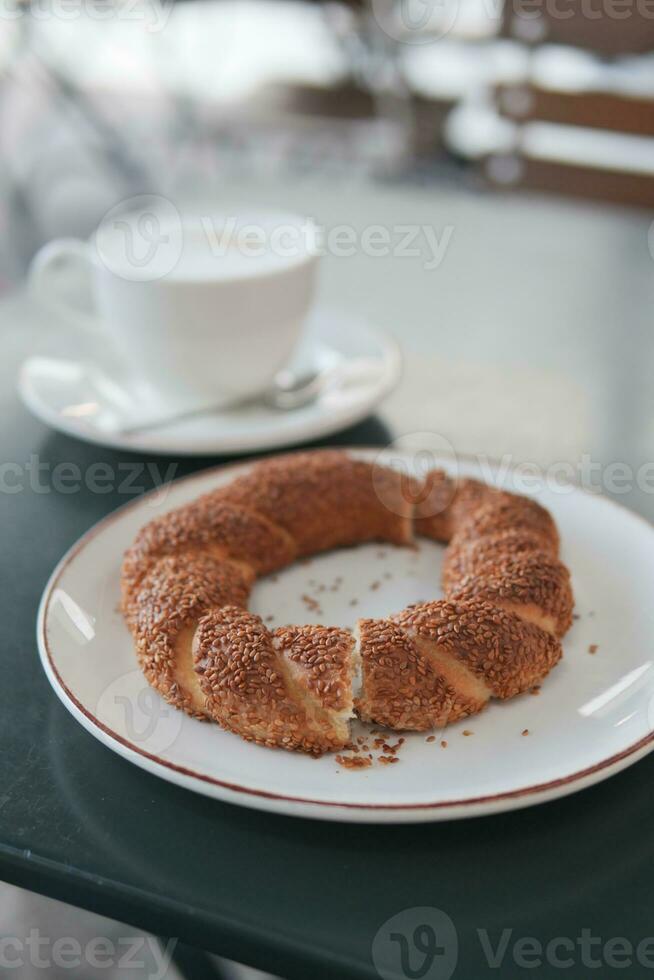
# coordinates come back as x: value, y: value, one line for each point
x: 104, y: 99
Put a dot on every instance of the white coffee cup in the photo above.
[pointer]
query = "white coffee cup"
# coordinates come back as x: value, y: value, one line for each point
x: 203, y: 307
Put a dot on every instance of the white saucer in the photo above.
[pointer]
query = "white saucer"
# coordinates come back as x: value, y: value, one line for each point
x: 53, y: 389
x: 594, y: 714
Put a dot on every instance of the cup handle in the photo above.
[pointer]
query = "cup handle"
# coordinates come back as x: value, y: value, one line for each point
x: 42, y: 279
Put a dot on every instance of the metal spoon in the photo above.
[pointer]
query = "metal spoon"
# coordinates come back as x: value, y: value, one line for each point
x: 288, y: 392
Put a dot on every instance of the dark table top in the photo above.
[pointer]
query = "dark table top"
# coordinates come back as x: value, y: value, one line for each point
x: 297, y: 897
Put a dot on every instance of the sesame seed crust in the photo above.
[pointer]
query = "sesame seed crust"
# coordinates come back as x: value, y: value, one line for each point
x: 321, y: 659
x: 403, y: 689
x: 535, y: 586
x: 508, y: 654
x: 187, y: 577
x: 445, y: 503
x: 211, y: 525
x: 464, y: 556
x: 326, y: 499
x: 175, y: 592
x: 509, y: 512
x: 248, y: 690
x: 470, y: 509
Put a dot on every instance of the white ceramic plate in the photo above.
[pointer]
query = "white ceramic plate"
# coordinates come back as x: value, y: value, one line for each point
x: 53, y: 389
x: 593, y: 715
